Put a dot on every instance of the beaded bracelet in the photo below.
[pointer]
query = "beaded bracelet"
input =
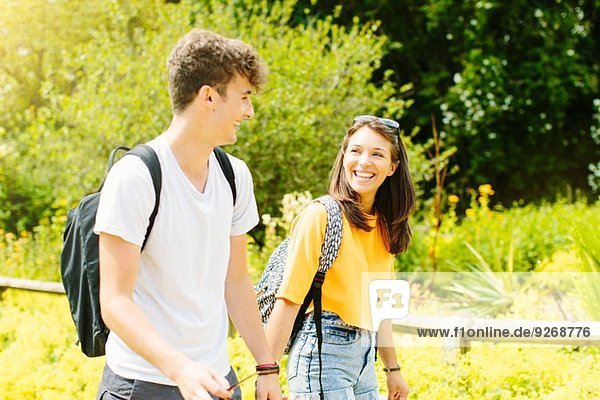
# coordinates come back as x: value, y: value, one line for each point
x: 386, y: 370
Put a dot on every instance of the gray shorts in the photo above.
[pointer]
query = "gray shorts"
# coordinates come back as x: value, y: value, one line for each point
x: 115, y: 387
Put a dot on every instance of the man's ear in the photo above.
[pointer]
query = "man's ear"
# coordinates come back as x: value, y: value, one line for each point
x: 206, y: 96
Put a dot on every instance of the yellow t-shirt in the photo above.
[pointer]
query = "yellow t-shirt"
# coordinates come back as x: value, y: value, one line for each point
x: 360, y: 251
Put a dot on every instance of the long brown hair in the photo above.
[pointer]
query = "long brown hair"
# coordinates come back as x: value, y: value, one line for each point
x: 395, y: 198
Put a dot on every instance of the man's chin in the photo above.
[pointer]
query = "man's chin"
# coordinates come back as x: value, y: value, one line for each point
x: 228, y: 141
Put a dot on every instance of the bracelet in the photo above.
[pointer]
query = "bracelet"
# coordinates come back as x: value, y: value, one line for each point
x: 386, y: 370
x: 274, y: 364
x: 267, y: 369
x: 272, y: 372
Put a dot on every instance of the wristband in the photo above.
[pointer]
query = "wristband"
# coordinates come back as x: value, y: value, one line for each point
x: 267, y: 369
x: 274, y: 364
x: 271, y: 372
x: 386, y: 370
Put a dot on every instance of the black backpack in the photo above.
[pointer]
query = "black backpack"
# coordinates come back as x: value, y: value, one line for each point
x: 79, y: 258
x: 272, y: 276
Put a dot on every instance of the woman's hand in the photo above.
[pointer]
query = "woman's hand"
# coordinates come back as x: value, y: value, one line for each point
x: 397, y: 386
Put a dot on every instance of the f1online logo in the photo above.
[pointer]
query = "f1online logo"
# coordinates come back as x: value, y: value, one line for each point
x: 388, y: 299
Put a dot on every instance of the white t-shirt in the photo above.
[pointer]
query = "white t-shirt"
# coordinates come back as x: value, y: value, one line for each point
x: 181, y: 280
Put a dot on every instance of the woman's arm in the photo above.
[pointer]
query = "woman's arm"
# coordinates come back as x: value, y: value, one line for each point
x: 397, y: 386
x: 279, y: 327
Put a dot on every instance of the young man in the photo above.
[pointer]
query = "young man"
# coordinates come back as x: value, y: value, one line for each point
x: 167, y: 306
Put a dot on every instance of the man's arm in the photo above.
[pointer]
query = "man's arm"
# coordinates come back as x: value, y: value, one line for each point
x: 243, y: 311
x: 119, y: 261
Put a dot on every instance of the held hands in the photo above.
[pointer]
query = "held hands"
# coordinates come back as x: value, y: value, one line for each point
x: 196, y: 381
x: 397, y: 386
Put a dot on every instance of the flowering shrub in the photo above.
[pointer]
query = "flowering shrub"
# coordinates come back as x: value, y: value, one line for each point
x: 33, y: 255
x: 536, y: 232
x: 39, y: 360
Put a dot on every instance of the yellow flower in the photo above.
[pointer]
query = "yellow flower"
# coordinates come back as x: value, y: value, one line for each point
x: 486, y: 189
x: 24, y: 234
x: 470, y: 212
x: 9, y: 236
x: 453, y: 199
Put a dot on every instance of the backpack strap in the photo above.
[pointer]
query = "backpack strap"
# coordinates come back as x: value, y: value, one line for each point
x: 227, y: 169
x: 149, y: 157
x: 333, y: 233
x: 318, y: 312
x: 329, y: 252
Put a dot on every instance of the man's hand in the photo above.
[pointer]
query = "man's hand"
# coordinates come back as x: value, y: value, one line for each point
x: 267, y: 388
x: 196, y: 381
x: 397, y: 386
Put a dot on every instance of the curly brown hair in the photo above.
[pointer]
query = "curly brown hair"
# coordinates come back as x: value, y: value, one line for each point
x: 205, y: 58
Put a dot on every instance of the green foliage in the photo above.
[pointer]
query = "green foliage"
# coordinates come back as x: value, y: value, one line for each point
x: 521, y: 101
x: 512, y: 81
x: 33, y: 255
x: 25, y: 199
x: 35, y: 63
x: 587, y: 239
x: 536, y: 233
x: 485, y: 290
x: 116, y: 91
x: 594, y: 177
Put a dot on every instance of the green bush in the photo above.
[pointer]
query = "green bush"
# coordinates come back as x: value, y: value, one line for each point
x: 536, y: 232
x: 320, y: 79
x: 33, y: 255
x: 25, y: 200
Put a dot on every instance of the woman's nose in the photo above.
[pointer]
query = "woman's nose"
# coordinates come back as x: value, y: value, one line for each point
x: 364, y: 160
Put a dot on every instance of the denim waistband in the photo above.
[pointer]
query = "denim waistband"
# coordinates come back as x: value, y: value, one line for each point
x: 331, y: 318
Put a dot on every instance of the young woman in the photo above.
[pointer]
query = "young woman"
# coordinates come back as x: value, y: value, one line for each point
x: 370, y: 180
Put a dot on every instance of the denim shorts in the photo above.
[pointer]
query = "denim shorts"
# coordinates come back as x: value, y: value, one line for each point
x: 115, y: 387
x: 348, y: 357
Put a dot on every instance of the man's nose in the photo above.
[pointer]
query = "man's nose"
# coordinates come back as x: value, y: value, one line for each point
x: 249, y: 111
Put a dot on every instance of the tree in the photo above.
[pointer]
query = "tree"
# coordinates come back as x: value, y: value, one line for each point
x: 512, y: 81
x: 321, y: 77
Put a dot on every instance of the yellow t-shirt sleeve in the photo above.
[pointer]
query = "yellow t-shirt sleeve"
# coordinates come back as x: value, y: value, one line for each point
x: 304, y: 251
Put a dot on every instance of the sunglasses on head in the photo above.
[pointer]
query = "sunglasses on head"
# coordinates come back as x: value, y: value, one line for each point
x: 386, y: 121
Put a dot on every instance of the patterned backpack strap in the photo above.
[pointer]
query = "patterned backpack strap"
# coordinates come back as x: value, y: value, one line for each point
x: 333, y: 233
